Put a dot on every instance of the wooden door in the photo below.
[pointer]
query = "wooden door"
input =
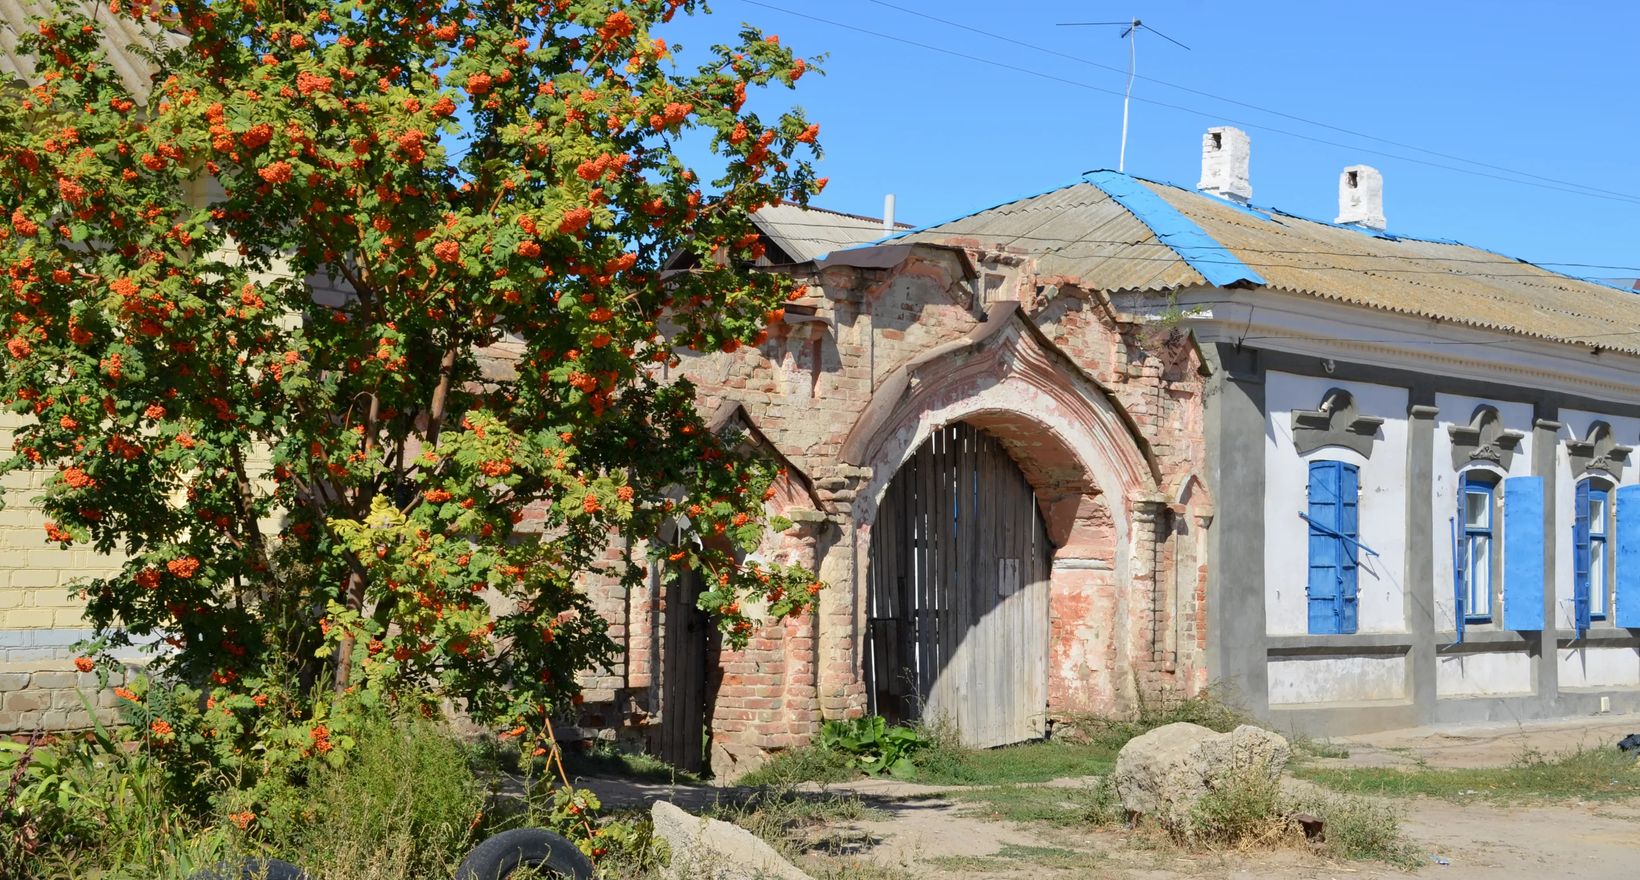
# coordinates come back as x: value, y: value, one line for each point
x: 958, y: 593
x: 688, y: 659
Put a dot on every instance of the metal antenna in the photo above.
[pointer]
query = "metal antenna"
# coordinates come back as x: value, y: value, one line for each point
x: 1130, y: 33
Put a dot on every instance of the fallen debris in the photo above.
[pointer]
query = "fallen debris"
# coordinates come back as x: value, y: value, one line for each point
x: 1630, y: 743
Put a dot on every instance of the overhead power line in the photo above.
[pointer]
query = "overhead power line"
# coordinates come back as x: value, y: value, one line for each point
x: 1228, y: 100
x: 1365, y: 255
x: 1539, y: 182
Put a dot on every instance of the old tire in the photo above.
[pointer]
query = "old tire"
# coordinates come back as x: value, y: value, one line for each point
x: 498, y: 857
x: 252, y: 869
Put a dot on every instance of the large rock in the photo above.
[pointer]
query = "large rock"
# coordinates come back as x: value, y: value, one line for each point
x: 712, y: 850
x: 1164, y: 773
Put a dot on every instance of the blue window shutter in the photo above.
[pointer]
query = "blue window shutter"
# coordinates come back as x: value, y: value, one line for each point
x: 1334, y: 494
x: 1523, y: 553
x: 1324, y: 549
x: 1460, y: 560
x: 1349, y: 496
x: 1628, y: 556
x: 1580, y: 559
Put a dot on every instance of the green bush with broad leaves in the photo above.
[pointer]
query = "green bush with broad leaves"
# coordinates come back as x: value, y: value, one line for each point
x: 875, y: 746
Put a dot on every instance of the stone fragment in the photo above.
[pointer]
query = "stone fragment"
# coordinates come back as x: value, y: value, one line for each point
x: 1164, y: 773
x: 709, y: 849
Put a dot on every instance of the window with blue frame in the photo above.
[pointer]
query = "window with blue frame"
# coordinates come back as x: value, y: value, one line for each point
x: 1591, y: 553
x: 1479, y: 506
x: 1599, y: 517
x: 1333, y: 516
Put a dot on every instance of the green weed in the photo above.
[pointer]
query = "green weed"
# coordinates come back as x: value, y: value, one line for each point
x: 1359, y: 829
x: 1243, y: 813
x: 1094, y: 805
x: 1012, y: 857
x: 405, y: 804
x: 810, y: 763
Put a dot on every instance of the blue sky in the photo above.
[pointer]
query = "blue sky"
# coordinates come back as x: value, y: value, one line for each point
x: 1548, y: 89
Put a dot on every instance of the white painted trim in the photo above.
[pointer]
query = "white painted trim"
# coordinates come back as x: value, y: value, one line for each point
x: 1306, y: 325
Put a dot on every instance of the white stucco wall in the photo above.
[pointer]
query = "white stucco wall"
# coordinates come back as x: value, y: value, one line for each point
x: 1483, y: 675
x: 1382, y: 511
x: 1459, y: 410
x: 1599, y: 667
x: 1337, y: 679
x: 1576, y: 424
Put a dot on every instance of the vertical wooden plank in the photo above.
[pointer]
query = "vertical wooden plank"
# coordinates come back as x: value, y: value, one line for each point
x: 987, y: 663
x: 925, y: 571
x: 939, y: 534
x: 962, y: 620
x: 905, y: 672
x: 946, y: 499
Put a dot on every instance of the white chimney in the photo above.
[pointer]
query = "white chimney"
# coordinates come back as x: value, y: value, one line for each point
x: 888, y: 215
x: 1361, y: 197
x: 1225, y: 153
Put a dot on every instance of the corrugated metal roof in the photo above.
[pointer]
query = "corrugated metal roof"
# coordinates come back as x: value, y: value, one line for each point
x: 807, y: 234
x: 1074, y: 232
x: 120, y: 33
x: 1081, y: 233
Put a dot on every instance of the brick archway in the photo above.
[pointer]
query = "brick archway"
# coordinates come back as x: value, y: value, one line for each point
x: 1094, y: 480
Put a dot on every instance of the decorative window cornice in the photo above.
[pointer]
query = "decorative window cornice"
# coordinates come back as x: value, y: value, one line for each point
x: 1484, y: 440
x: 1598, y: 453
x: 1336, y: 422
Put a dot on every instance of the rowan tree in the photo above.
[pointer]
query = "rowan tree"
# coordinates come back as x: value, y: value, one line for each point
x: 314, y: 495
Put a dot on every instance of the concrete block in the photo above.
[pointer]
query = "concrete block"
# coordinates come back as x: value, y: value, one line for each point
x: 55, y: 680
x: 30, y: 700
x: 28, y: 618
x: 36, y: 577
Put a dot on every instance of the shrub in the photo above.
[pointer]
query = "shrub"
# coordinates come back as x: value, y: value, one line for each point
x: 1358, y: 828
x: 406, y: 804
x: 1245, y: 811
x: 94, y: 803
x: 874, y: 745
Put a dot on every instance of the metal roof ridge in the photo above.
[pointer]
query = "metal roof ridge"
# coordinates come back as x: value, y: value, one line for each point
x: 926, y: 227
x: 1181, y: 234
x: 1270, y: 213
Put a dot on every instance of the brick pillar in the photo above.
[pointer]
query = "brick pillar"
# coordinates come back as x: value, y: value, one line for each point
x: 1141, y: 619
x: 842, y: 691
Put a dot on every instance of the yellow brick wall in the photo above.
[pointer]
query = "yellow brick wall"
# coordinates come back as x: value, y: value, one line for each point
x: 35, y: 574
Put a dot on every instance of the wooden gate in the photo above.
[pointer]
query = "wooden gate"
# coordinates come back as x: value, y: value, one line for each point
x: 688, y: 659
x: 958, y: 613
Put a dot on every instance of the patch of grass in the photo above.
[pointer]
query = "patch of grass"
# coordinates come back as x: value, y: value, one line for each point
x: 1360, y: 829
x: 1010, y: 857
x: 605, y: 760
x: 857, y: 869
x: 1026, y: 762
x: 406, y: 804
x: 1251, y: 812
x: 788, y: 820
x: 1244, y: 813
x: 810, y: 763
x: 1316, y: 748
x: 1589, y: 774
x: 1089, y: 806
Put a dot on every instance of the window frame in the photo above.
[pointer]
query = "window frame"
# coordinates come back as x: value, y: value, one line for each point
x: 1600, y: 575
x: 1484, y: 484
x: 1592, y: 591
